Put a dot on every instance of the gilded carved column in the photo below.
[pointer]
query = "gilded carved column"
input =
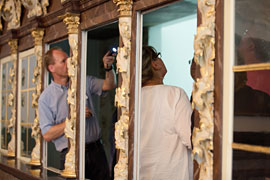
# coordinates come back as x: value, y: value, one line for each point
x: 12, y: 96
x: 72, y: 21
x: 203, y: 89
x: 38, y: 37
x: 122, y: 93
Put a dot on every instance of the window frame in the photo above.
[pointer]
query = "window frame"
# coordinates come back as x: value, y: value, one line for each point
x: 22, y: 55
x: 3, y: 61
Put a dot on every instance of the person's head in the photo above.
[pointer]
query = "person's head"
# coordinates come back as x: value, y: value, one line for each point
x: 56, y: 62
x: 152, y: 65
x: 252, y: 49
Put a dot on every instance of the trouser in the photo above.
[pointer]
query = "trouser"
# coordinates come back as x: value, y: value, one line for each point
x: 96, y: 165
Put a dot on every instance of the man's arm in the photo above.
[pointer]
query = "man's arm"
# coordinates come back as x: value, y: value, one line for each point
x: 48, y: 129
x: 110, y: 80
x: 54, y: 132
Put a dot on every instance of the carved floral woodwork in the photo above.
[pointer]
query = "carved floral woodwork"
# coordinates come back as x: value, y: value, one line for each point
x: 35, y: 7
x: 122, y: 93
x: 10, y: 11
x: 203, y: 89
x: 12, y: 96
x: 35, y: 155
x: 72, y: 21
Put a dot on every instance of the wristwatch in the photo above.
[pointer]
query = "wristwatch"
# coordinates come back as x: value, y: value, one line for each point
x: 108, y: 69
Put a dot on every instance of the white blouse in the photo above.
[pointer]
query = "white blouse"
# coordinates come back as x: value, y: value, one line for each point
x: 165, y: 134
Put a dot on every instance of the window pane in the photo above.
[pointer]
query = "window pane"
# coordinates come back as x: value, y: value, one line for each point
x: 4, y: 76
x: 252, y: 31
x: 31, y: 115
x: 24, y: 73
x: 250, y: 165
x: 24, y: 107
x: 32, y: 65
x: 252, y: 108
x: 10, y: 66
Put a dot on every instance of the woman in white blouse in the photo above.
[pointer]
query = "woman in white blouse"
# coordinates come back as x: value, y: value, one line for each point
x: 165, y: 124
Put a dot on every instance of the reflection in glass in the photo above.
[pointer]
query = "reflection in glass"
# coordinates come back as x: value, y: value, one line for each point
x: 251, y: 109
x: 27, y: 112
x: 252, y: 31
x: 32, y: 65
x: 250, y: 165
x: 4, y: 75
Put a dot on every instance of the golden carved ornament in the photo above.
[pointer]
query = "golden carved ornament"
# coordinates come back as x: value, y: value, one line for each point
x: 38, y: 37
x: 1, y: 5
x: 203, y: 89
x: 12, y: 96
x: 124, y: 7
x: 72, y: 21
x: 122, y: 93
x: 11, y: 12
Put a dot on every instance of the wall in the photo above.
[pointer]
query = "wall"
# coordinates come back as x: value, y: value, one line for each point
x: 174, y: 40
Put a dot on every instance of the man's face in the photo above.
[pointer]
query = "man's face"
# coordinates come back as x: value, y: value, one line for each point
x: 59, y: 67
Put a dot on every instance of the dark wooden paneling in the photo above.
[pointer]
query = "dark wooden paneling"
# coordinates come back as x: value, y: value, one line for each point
x: 150, y: 4
x: 54, y: 5
x: 78, y: 100
x: 132, y: 95
x: 26, y: 42
x: 4, y: 50
x: 56, y: 32
x: 99, y: 15
x: 218, y: 91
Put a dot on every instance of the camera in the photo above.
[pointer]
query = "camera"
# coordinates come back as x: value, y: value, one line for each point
x: 113, y: 51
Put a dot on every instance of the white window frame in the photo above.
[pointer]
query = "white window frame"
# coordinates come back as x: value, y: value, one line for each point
x: 3, y: 61
x: 21, y: 56
x: 228, y: 88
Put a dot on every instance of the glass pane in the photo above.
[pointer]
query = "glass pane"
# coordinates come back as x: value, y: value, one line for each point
x: 32, y: 65
x: 31, y: 142
x: 251, y: 108
x: 31, y: 116
x: 250, y: 165
x: 3, y: 106
x: 4, y: 76
x: 3, y: 135
x: 10, y: 66
x: 252, y: 33
x: 24, y: 73
x: 24, y: 107
x: 23, y: 141
x: 9, y: 112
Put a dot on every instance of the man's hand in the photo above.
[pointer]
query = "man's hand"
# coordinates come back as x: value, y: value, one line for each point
x: 108, y: 60
x: 88, y: 112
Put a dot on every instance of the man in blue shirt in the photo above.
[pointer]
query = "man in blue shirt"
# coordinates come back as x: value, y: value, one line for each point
x: 53, y: 110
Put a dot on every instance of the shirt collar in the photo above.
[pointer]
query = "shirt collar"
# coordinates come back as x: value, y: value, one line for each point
x: 59, y: 85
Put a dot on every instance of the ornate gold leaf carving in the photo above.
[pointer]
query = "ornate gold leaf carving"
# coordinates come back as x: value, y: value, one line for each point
x: 11, y: 13
x: 124, y: 7
x: 203, y: 97
x: 38, y: 37
x: 72, y: 21
x: 122, y: 93
x: 11, y: 98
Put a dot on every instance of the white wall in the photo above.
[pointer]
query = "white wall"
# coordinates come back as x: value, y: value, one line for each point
x: 174, y: 40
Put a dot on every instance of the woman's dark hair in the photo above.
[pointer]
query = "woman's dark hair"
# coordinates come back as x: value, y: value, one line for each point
x: 149, y: 54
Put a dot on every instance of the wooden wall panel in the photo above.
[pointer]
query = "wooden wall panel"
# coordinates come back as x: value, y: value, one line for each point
x: 99, y: 15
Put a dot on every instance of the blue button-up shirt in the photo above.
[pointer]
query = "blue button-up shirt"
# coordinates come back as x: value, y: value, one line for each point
x: 53, y: 109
